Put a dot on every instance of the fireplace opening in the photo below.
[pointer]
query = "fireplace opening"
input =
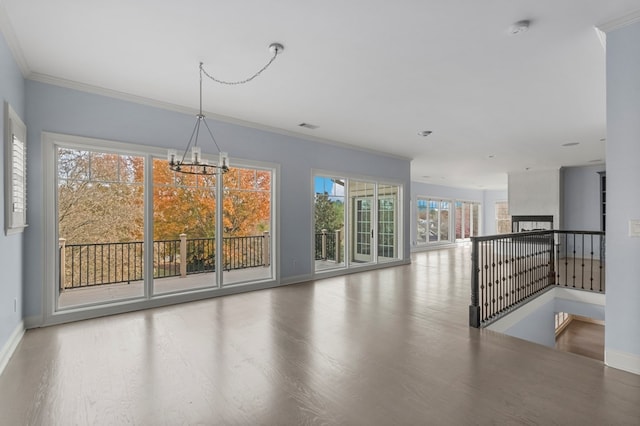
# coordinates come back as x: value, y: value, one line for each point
x: 531, y: 223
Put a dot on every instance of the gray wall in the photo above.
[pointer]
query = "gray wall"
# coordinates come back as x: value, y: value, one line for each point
x: 537, y: 327
x: 11, y: 254
x: 622, y: 333
x: 582, y: 198
x: 56, y: 109
x: 490, y: 198
x: 535, y: 321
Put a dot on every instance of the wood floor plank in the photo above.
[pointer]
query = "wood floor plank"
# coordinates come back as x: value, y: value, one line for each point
x: 582, y: 338
x: 374, y: 348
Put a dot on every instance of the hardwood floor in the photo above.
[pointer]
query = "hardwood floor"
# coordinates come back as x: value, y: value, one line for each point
x: 582, y: 338
x: 387, y: 347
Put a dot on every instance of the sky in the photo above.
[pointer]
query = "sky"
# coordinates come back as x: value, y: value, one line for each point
x: 324, y: 184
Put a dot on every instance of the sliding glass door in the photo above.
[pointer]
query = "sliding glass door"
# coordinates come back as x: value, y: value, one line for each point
x: 329, y: 222
x: 387, y: 223
x: 433, y: 220
x: 371, y: 233
x: 361, y: 196
x: 100, y: 226
x: 184, y: 230
x: 246, y: 248
x: 127, y: 228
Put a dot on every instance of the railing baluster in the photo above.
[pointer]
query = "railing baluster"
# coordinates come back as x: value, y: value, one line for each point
x: 509, y: 269
x: 591, y: 264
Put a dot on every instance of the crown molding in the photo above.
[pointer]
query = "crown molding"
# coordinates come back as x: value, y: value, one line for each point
x: 101, y: 91
x: 623, y: 21
x: 12, y: 41
x: 110, y: 93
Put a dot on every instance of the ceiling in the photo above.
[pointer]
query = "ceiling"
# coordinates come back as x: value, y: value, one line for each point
x: 369, y: 73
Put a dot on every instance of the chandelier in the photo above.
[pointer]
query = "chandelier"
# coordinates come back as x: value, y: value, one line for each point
x: 191, y: 161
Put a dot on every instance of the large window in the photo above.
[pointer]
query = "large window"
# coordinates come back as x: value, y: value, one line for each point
x: 100, y: 213
x: 439, y: 220
x: 467, y: 219
x: 329, y: 222
x: 503, y: 219
x: 356, y: 222
x: 433, y: 220
x: 128, y: 228
x: 184, y: 229
x: 247, y: 224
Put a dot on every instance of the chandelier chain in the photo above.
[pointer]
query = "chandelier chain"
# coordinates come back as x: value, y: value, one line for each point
x: 246, y: 80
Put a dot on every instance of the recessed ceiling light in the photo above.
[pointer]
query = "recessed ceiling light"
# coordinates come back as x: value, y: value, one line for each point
x: 308, y: 126
x: 424, y: 133
x: 519, y: 27
x: 571, y: 144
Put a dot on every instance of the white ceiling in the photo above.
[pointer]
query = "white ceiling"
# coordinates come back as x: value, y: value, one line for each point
x: 369, y: 73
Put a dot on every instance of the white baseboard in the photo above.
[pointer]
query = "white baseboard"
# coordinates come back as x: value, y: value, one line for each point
x: 296, y: 279
x: 622, y: 361
x: 33, y: 322
x: 10, y: 346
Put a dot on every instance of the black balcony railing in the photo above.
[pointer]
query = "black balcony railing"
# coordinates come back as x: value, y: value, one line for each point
x: 101, y: 263
x: 84, y: 265
x: 325, y: 246
x: 243, y: 252
x: 509, y: 269
x: 165, y: 258
x: 201, y: 255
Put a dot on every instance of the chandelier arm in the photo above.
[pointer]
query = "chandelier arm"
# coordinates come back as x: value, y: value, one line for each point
x: 246, y: 80
x: 211, y: 134
x: 200, y: 119
x: 195, y: 128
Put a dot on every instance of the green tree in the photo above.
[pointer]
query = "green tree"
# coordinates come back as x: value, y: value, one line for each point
x: 328, y: 213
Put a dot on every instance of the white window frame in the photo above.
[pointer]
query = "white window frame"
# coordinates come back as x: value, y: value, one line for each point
x: 15, y: 172
x: 54, y: 315
x: 472, y: 229
x: 375, y: 259
x: 451, y: 220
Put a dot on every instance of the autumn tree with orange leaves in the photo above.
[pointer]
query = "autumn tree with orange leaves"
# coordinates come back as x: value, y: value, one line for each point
x: 186, y: 203
x: 101, y: 199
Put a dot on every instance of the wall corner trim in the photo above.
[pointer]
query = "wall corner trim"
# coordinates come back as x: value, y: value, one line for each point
x: 7, y: 350
x: 622, y: 361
